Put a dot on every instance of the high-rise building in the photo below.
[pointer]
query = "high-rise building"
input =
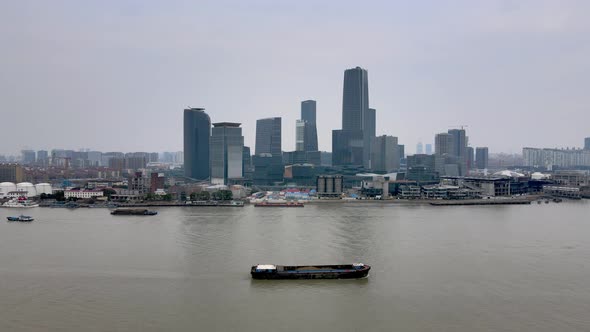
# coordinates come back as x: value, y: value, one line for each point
x: 369, y: 133
x: 197, y: 130
x: 29, y: 157
x: 226, y: 151
x: 587, y: 143
x: 351, y: 145
x: 268, y: 136
x: 481, y: 157
x: 94, y: 158
x: 428, y: 149
x: 347, y: 147
x: 310, y: 132
x: 459, y: 143
x: 43, y: 157
x: 300, y: 135
x: 247, y: 167
x: 268, y: 160
x: 355, y: 99
x: 385, y: 154
x: 443, y: 144
x: 419, y: 148
x: 470, y: 158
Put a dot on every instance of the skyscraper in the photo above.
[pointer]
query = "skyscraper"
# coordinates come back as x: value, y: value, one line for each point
x: 268, y: 160
x: 470, y: 158
x: 459, y: 149
x: 226, y: 149
x: 428, y: 149
x: 587, y: 143
x: 268, y: 136
x: 481, y: 157
x: 355, y: 99
x: 300, y: 135
x: 197, y: 130
x: 351, y: 145
x: 310, y: 132
x: 443, y: 144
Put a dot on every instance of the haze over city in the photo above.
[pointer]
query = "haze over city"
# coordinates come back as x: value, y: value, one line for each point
x: 116, y: 75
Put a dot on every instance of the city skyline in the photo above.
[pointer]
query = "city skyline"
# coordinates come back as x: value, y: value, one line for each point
x: 496, y: 61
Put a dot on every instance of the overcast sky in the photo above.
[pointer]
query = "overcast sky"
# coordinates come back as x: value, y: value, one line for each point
x: 116, y: 75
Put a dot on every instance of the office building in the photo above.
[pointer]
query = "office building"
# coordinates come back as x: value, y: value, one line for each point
x: 470, y: 158
x: 268, y: 136
x: 197, y: 130
x: 268, y: 159
x: 587, y: 143
x: 422, y: 168
x: 481, y: 157
x: 11, y: 173
x: 247, y: 167
x: 300, y: 135
x: 43, y: 157
x: 226, y: 151
x: 29, y: 157
x: 443, y: 143
x: 310, y: 133
x: 351, y: 145
x: 428, y: 149
x: 385, y: 154
x: 347, y: 147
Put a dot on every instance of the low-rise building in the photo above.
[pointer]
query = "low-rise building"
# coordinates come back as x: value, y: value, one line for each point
x: 82, y: 193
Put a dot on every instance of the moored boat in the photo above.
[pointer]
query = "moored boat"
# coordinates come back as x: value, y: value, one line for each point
x: 279, y: 204
x: 133, y: 212
x: 349, y: 271
x: 21, y: 202
x: 21, y: 218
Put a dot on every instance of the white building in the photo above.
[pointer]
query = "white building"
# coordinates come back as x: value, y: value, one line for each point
x: 81, y: 193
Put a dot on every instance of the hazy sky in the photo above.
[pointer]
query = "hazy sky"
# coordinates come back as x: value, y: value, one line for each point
x: 116, y: 75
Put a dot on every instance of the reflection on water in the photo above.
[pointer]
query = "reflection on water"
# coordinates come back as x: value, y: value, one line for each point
x: 509, y: 268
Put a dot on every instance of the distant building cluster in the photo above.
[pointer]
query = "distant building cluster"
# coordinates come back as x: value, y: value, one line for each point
x: 549, y: 158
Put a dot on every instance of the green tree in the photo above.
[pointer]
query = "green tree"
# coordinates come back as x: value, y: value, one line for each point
x: 167, y: 197
x: 108, y: 192
x: 193, y: 196
x: 204, y: 196
x: 59, y: 196
x: 226, y: 195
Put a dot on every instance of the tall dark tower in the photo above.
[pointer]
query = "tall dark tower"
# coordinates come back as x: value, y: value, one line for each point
x: 355, y: 99
x: 268, y: 136
x: 310, y: 135
x: 197, y: 130
x: 351, y: 145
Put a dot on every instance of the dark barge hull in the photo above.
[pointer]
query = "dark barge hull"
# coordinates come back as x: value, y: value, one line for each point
x: 312, y: 272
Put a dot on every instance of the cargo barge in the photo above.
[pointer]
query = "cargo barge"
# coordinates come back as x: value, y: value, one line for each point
x: 350, y: 271
x: 133, y: 212
x: 279, y: 204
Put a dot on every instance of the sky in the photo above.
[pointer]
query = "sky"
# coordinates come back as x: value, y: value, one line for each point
x: 116, y: 75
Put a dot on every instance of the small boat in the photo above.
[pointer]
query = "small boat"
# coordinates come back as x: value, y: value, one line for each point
x: 557, y: 200
x: 350, y: 271
x: 279, y: 204
x: 133, y: 212
x: 21, y: 218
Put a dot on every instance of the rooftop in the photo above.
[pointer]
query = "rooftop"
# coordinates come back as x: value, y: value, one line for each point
x: 226, y: 124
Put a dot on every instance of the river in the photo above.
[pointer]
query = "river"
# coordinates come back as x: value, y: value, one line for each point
x: 472, y: 268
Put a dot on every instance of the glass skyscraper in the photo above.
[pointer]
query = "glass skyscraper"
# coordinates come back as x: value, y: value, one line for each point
x: 352, y: 144
x: 310, y: 132
x: 197, y: 129
x: 226, y: 148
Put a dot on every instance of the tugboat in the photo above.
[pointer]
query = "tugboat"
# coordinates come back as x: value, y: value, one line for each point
x: 21, y: 218
x: 134, y: 212
x: 350, y: 271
